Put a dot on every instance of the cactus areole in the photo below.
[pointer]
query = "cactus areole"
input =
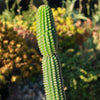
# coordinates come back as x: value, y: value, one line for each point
x: 47, y: 41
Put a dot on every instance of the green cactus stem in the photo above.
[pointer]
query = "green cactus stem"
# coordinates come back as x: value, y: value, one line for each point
x: 47, y: 41
x: 46, y: 31
x: 52, y: 78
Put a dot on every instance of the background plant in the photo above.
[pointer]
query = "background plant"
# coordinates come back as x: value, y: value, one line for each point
x: 17, y: 58
x: 96, y: 14
x: 82, y: 70
x: 70, y: 11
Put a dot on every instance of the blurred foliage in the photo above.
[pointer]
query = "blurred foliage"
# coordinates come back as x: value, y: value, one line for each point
x: 79, y: 46
x: 96, y: 14
x: 67, y: 28
x: 69, y: 4
x: 70, y: 11
x: 70, y: 31
x: 81, y: 71
x: 24, y: 20
x: 96, y: 39
x: 17, y: 58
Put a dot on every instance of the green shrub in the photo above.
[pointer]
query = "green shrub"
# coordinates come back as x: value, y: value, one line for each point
x: 18, y: 59
x: 81, y: 71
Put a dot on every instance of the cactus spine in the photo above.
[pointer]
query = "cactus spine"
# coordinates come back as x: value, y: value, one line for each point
x: 47, y: 41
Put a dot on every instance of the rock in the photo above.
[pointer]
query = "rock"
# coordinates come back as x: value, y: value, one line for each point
x: 27, y: 90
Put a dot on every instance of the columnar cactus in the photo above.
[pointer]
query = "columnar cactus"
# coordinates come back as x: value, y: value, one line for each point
x: 47, y: 41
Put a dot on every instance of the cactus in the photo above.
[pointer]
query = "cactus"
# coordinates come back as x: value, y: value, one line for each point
x: 47, y: 41
x: 45, y: 31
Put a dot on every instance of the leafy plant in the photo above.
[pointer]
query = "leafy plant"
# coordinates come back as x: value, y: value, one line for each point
x: 76, y: 14
x: 8, y: 14
x: 81, y: 74
x: 18, y: 60
x: 96, y: 14
x: 70, y: 6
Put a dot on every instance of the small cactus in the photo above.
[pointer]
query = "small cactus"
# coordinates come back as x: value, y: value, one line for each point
x: 46, y: 31
x: 47, y: 41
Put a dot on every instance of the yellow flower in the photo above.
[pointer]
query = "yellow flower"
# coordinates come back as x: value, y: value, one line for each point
x: 4, y: 22
x: 18, y: 45
x: 30, y: 68
x: 1, y: 50
x: 6, y: 55
x: 83, y: 71
x: 69, y: 20
x: 12, y: 42
x: 59, y: 10
x: 61, y: 20
x: 53, y: 9
x: 18, y: 59
x: 63, y: 10
x: 60, y: 33
x: 12, y: 56
x: 24, y: 25
x: 20, y: 22
x: 18, y: 17
x: 72, y: 27
x: 34, y: 25
x: 1, y: 36
x: 13, y: 78
x: 55, y: 13
x: 3, y: 69
x: 80, y: 30
x: 25, y: 56
x: 11, y: 50
x: 2, y: 77
x: 58, y: 27
x: 5, y: 41
x: 9, y: 24
x: 65, y: 29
